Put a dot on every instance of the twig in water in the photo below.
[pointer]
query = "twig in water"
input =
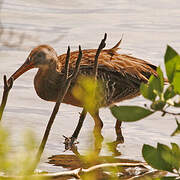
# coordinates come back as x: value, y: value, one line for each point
x: 70, y: 141
x: 167, y: 112
x: 63, y: 91
x: 101, y: 46
x: 7, y: 86
x: 77, y: 173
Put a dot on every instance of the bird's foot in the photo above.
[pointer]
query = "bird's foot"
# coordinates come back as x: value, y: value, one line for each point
x: 70, y: 142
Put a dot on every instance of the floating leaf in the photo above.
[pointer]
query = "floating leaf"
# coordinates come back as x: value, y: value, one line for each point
x: 171, y: 58
x: 130, y: 113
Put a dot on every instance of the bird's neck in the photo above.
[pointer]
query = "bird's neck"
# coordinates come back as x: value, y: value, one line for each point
x: 47, y: 82
x: 49, y: 72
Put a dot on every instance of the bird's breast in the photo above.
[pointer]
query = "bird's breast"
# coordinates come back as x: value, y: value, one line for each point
x: 47, y: 88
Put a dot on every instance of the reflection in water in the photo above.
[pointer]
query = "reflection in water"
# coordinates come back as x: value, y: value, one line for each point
x: 112, y: 146
x: 88, y: 162
x: 98, y: 140
x: 71, y: 142
x: 129, y: 170
x: 93, y: 158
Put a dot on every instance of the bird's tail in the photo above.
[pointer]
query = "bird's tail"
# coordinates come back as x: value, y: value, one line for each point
x: 116, y: 47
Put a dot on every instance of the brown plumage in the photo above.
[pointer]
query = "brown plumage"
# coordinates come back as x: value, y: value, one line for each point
x: 125, y: 73
x: 121, y: 74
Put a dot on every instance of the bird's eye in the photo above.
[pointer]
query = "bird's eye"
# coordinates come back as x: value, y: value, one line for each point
x: 40, y: 55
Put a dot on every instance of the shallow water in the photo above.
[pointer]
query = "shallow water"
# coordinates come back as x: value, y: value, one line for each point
x: 147, y: 27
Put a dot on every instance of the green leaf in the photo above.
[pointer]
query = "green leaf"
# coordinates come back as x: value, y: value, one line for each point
x: 89, y: 93
x: 147, y: 92
x: 177, y: 130
x: 176, y: 153
x: 154, y: 86
x: 175, y: 149
x: 153, y: 157
x: 177, y: 104
x: 176, y: 81
x: 162, y: 157
x: 168, y: 156
x: 171, y: 58
x: 158, y: 105
x: 161, y: 78
x: 169, y: 93
x: 130, y: 113
x: 173, y: 68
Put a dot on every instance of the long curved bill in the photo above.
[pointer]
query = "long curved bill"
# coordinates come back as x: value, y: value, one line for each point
x: 25, y: 67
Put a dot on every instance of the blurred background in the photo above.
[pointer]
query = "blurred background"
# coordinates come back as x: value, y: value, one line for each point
x: 147, y: 28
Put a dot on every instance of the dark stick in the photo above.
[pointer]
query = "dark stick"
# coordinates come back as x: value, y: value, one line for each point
x: 79, y: 126
x: 76, y: 70
x: 101, y: 46
x: 98, y: 123
x: 69, y: 141
x: 7, y: 86
x: 167, y: 112
x: 67, y: 63
x: 95, y: 69
x: 56, y: 107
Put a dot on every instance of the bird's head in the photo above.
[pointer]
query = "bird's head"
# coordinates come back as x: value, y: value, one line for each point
x: 42, y: 56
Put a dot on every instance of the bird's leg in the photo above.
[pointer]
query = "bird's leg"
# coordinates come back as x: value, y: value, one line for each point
x: 98, y: 138
x: 112, y: 146
x: 61, y: 94
x: 7, y: 86
x: 70, y: 142
x: 119, y: 138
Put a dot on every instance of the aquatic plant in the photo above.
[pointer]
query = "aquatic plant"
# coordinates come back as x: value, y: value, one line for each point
x: 162, y: 99
x: 16, y: 163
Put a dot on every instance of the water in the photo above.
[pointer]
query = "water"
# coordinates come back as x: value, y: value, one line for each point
x: 147, y: 27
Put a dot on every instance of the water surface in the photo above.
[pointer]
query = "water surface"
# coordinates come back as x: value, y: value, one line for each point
x: 147, y: 27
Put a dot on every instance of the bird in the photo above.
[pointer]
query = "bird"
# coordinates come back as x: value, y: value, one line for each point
x: 121, y: 74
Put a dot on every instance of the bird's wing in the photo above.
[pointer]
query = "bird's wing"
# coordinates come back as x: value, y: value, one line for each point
x: 115, y: 62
